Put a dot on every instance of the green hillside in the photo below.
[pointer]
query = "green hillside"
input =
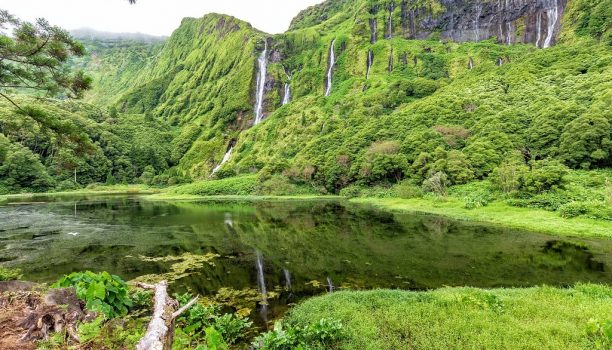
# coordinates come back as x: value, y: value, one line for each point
x: 428, y: 108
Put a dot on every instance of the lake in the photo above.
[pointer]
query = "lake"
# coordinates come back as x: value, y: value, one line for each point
x: 231, y: 252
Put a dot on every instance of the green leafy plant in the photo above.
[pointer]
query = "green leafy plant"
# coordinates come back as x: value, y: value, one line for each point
x: 7, y: 274
x: 102, y: 292
x: 199, y: 319
x: 320, y: 335
x: 573, y: 209
x: 600, y: 333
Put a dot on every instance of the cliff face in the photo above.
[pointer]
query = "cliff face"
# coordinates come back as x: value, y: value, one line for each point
x: 511, y: 21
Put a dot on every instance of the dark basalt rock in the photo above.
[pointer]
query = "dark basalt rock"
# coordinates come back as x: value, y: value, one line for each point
x: 469, y: 20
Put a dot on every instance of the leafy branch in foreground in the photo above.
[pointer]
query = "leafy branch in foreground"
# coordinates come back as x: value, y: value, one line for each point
x: 33, y: 58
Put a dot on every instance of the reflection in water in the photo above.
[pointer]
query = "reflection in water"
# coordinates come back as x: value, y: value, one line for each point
x: 361, y: 248
x: 287, y: 276
x: 330, y: 285
x: 261, y: 282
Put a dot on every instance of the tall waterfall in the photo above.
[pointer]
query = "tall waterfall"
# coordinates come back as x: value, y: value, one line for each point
x: 226, y: 157
x: 552, y: 14
x: 369, y: 63
x: 390, y: 20
x: 373, y: 30
x: 261, y: 83
x: 477, y: 19
x: 330, y: 71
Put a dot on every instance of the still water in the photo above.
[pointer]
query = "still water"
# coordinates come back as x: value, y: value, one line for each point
x: 265, y: 256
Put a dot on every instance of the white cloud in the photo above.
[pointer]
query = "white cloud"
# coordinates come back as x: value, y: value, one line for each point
x: 158, y: 17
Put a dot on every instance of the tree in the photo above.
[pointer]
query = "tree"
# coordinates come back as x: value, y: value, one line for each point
x: 34, y: 59
x: 586, y: 142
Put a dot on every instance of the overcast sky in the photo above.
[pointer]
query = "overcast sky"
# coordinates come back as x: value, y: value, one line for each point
x: 158, y: 17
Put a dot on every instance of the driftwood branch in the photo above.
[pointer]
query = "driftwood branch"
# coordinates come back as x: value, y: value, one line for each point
x: 160, y: 332
x: 184, y: 308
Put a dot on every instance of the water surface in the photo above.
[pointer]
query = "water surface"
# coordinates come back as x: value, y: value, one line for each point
x: 289, y: 249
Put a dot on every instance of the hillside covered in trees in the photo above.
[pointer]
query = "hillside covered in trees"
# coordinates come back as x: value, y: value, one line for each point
x: 357, y: 94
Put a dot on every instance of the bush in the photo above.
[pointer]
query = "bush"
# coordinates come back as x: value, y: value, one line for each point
x: 243, y: 185
x: 407, y: 190
x: 477, y: 199
x: 101, y: 292
x: 7, y: 274
x: 321, y: 335
x: 436, y: 183
x: 545, y: 175
x: 351, y: 191
x: 572, y: 209
x: 67, y: 185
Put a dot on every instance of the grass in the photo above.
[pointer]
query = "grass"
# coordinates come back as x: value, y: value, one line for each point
x: 531, y: 219
x: 90, y: 190
x: 467, y: 318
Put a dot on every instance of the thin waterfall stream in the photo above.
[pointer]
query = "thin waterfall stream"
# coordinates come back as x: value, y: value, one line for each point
x: 261, y: 83
x: 330, y: 71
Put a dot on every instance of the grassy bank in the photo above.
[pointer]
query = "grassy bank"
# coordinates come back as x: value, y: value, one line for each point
x: 499, y: 213
x: 468, y: 318
x: 90, y: 190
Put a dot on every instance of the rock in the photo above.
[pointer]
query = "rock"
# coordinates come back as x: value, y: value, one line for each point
x: 16, y: 286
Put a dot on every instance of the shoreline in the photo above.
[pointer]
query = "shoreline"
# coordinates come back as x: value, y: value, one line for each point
x: 496, y: 213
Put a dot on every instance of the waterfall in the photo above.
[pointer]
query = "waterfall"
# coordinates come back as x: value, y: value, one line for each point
x: 226, y: 157
x: 552, y: 14
x: 261, y: 282
x: 390, y: 20
x: 477, y: 20
x: 261, y: 83
x: 330, y: 285
x: 509, y: 33
x: 471, y: 64
x: 500, y: 62
x: 330, y: 71
x: 287, y: 275
x: 287, y: 95
x: 373, y: 30
x: 538, y: 29
x: 369, y: 63
x: 390, y: 67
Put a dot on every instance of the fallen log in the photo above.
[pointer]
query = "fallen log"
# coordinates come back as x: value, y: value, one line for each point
x: 160, y: 331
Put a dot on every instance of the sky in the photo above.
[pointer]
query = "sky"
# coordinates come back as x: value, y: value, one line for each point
x: 156, y: 17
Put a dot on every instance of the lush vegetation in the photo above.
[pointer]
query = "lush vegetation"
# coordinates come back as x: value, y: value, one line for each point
x: 574, y: 318
x: 102, y: 292
x: 422, y: 117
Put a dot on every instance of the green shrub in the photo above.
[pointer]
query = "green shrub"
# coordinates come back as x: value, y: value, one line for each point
x: 242, y: 185
x: 318, y: 336
x: 545, y: 175
x: 101, y: 292
x: 351, y: 191
x: 572, y: 209
x: 436, y: 183
x: 8, y: 274
x: 407, y: 190
x: 67, y: 185
x: 477, y: 199
x: 600, y: 334
x: 199, y: 320
x: 599, y: 211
